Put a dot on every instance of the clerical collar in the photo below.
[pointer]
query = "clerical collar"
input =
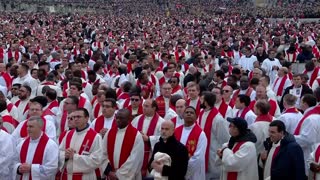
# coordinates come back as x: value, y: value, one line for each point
x: 271, y: 59
x: 248, y: 56
x: 80, y: 130
x: 189, y: 127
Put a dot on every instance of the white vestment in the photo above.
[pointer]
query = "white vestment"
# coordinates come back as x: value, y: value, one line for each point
x: 229, y: 112
x: 14, y: 110
x: 8, y: 154
x: 267, y: 166
x: 84, y: 163
x: 196, y: 163
x: 250, y: 116
x: 170, y: 113
x: 247, y: 62
x: 219, y: 135
x: 290, y: 120
x: 276, y: 84
x: 244, y: 162
x: 27, y: 80
x: 131, y: 168
x: 267, y: 65
x: 107, y: 123
x: 49, y: 165
x: 315, y: 84
x: 50, y: 131
x: 22, y: 114
x: 146, y: 123
x: 261, y: 130
x: 179, y: 121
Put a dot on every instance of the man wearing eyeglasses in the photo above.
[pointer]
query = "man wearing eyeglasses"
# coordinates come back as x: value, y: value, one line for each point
x: 163, y: 102
x: 135, y: 106
x: 80, y: 150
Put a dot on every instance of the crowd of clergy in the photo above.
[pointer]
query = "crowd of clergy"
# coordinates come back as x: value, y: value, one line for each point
x: 87, y: 96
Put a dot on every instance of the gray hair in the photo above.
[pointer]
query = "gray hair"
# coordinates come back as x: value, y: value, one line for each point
x: 38, y: 119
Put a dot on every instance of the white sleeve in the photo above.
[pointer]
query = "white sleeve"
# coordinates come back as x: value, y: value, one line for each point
x: 236, y: 162
x: 308, y: 133
x: 51, y: 130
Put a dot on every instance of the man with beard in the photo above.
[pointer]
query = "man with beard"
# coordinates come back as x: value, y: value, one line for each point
x: 22, y: 103
x: 238, y: 157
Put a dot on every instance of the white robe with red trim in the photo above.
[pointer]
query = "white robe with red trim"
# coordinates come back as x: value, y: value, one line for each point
x: 22, y: 112
x: 107, y: 123
x: 85, y: 164
x: 244, y: 161
x: 27, y: 80
x: 8, y: 154
x: 261, y: 130
x: 49, y: 165
x: 290, y: 120
x: 131, y: 169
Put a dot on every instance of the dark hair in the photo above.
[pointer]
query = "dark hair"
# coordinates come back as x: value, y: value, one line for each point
x: 111, y: 93
x: 310, y: 99
x: 174, y: 99
x: 41, y: 100
x: 281, y: 127
x: 84, y: 110
x: 113, y: 102
x: 165, y: 69
x: 56, y: 67
x: 96, y: 67
x: 316, y: 93
x: 34, y: 69
x: 77, y: 85
x: 51, y: 94
x: 209, y: 97
x: 220, y: 73
x: 263, y: 106
x: 155, y: 104
x: 254, y: 81
x: 28, y: 88
x: 25, y: 66
x: 74, y: 99
x: 3, y: 105
x: 91, y: 72
x: 244, y: 99
x: 127, y: 86
x: 77, y: 73
x: 17, y: 84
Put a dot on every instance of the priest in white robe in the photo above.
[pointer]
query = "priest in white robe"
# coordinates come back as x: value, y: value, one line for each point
x: 38, y: 154
x: 81, y: 150
x: 7, y: 153
x: 123, y: 147
x: 22, y: 103
x: 238, y: 157
x: 191, y: 135
x: 271, y: 65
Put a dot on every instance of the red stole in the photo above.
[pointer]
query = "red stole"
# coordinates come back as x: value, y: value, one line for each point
x: 150, y: 132
x: 62, y: 135
x: 243, y: 113
x: 174, y: 120
x: 234, y: 175
x: 9, y: 107
x: 11, y: 120
x: 63, y: 121
x: 273, y: 106
x: 162, y: 81
x: 315, y: 110
x: 126, y: 103
x: 275, y: 153
x: 127, y: 144
x: 161, y: 106
x: 197, y: 107
x: 38, y: 154
x: 293, y: 57
x: 193, y: 138
x: 314, y: 75
x: 94, y: 100
x: 7, y: 78
x: 124, y: 95
x: 223, y: 108
x: 176, y: 89
x: 16, y: 55
x: 24, y: 132
x: 207, y: 128
x: 176, y: 55
x: 147, y: 88
x: 82, y: 102
x: 291, y: 110
x: 25, y: 109
x: 96, y: 110
x: 281, y: 85
x: 53, y: 104
x: 264, y: 117
x: 100, y: 123
x: 1, y: 54
x: 85, y: 146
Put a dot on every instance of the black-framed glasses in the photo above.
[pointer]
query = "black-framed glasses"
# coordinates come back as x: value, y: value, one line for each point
x: 133, y: 99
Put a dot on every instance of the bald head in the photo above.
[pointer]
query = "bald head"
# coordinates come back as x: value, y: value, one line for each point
x: 180, y: 106
x: 167, y: 130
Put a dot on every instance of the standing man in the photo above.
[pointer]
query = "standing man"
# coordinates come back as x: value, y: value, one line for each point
x: 178, y: 153
x: 163, y: 102
x: 281, y: 82
x: 180, y: 107
x: 38, y: 154
x: 80, y: 150
x: 70, y: 104
x: 123, y: 147
x: 224, y: 109
x: 216, y: 129
x: 193, y: 94
x: 192, y: 136
x: 22, y: 103
x: 149, y: 125
x: 283, y: 158
x: 271, y: 65
x: 25, y: 78
x: 242, y: 104
x: 238, y: 157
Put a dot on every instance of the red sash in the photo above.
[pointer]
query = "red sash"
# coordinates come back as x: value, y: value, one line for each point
x: 176, y: 55
x: 234, y: 175
x: 197, y: 107
x: 193, y: 138
x: 95, y: 98
x: 48, y: 112
x: 315, y: 110
x: 100, y: 123
x: 150, y: 132
x: 53, y: 104
x: 294, y: 57
x: 291, y: 110
x: 314, y: 75
x: 11, y: 120
x: 162, y: 81
x: 63, y: 121
x: 281, y: 85
x: 9, y: 107
x: 267, y: 118
x: 82, y: 102
x: 96, y: 110
x: 62, y: 135
x: 127, y: 144
x: 126, y: 103
x: 24, y: 132
x: 223, y: 109
x: 161, y: 106
x: 16, y: 55
x: 174, y: 120
x: 7, y: 78
x: 25, y: 109
x: 207, y: 128
x: 85, y: 146
x: 275, y: 153
x: 124, y: 95
x: 1, y: 54
x: 38, y: 154
x: 243, y: 113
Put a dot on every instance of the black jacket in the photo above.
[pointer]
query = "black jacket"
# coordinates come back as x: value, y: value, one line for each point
x: 179, y: 158
x: 305, y: 90
x: 289, y: 162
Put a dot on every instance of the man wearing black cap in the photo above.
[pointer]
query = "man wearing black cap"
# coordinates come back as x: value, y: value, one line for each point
x: 238, y: 156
